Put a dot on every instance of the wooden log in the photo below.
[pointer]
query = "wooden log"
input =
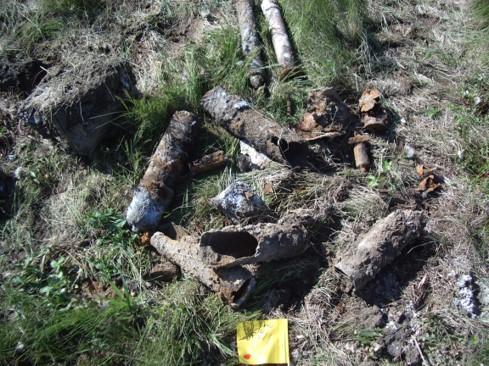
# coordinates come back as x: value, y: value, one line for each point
x: 280, y: 39
x: 250, y: 42
x: 233, y: 285
x: 155, y: 190
x: 264, y: 134
x: 380, y: 246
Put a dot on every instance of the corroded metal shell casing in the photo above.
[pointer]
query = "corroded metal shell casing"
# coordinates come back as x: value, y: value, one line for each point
x: 261, y: 132
x: 380, y: 246
x: 155, y: 190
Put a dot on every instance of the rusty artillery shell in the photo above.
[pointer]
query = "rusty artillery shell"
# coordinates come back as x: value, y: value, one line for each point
x: 233, y: 285
x: 380, y: 246
x: 238, y: 245
x: 155, y: 190
x: 360, y: 151
x: 278, y: 30
x: 375, y: 123
x: 264, y: 134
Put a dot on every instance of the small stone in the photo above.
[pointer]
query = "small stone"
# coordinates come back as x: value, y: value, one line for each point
x: 465, y: 298
x: 238, y: 202
x: 409, y: 151
x: 395, y: 350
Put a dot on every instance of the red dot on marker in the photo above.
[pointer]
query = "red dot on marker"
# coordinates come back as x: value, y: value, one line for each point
x: 247, y: 356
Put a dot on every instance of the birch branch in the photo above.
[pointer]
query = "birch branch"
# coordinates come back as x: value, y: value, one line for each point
x: 280, y: 39
x: 250, y: 42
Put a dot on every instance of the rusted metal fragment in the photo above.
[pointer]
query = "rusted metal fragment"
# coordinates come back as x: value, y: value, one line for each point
x: 250, y: 42
x: 380, y: 246
x: 360, y: 151
x: 240, y: 245
x: 155, y: 190
x: 238, y: 202
x: 280, y: 38
x: 234, y: 285
x: 207, y: 163
x: 369, y: 100
x: 326, y: 115
x: 162, y: 272
x: 377, y: 123
x: 264, y: 134
x: 374, y: 116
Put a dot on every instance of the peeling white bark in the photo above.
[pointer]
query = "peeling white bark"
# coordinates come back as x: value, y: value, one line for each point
x: 280, y: 39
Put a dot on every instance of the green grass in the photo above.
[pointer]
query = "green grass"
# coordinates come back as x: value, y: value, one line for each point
x: 190, y: 329
x: 326, y: 35
x: 26, y: 27
x: 40, y: 334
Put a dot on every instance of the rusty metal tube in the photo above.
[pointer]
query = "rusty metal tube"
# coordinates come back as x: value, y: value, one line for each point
x: 280, y: 39
x: 241, y: 245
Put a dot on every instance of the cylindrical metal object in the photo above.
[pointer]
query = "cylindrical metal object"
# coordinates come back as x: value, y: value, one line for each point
x: 207, y: 163
x: 264, y: 134
x: 362, y: 160
x: 155, y: 190
x: 240, y: 245
x: 376, y: 123
x: 380, y: 246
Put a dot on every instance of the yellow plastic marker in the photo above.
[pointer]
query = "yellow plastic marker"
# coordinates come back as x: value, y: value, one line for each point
x: 263, y: 341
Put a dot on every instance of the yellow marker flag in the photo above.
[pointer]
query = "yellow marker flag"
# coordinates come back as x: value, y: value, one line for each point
x: 263, y: 341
